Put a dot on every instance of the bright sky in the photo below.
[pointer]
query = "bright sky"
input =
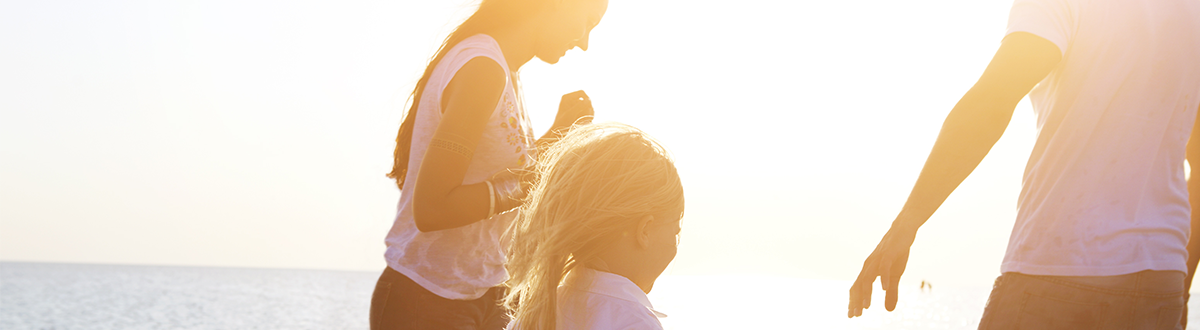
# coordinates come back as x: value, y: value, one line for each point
x: 257, y: 133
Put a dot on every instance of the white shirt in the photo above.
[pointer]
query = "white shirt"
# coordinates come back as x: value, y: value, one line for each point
x: 464, y: 262
x: 1104, y: 190
x: 596, y: 300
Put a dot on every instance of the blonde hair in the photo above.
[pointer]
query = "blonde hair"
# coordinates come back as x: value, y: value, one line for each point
x: 592, y: 185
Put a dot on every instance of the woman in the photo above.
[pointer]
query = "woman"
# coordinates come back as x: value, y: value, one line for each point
x: 465, y: 130
x: 602, y: 220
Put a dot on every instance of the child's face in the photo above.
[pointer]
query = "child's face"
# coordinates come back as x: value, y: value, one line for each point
x: 664, y: 242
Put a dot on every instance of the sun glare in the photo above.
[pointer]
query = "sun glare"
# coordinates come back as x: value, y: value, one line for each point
x: 257, y: 134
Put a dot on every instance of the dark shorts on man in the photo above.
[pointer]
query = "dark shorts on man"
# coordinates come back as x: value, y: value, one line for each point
x: 1142, y: 300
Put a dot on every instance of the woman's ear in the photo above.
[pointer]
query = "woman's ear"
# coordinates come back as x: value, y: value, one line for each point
x: 643, y: 231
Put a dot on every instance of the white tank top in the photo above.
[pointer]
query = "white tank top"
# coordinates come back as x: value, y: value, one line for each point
x: 460, y: 263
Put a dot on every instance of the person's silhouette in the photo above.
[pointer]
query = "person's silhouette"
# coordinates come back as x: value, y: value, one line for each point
x: 1103, y: 213
x: 458, y: 161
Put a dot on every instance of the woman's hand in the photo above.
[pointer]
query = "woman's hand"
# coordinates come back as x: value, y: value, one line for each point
x: 887, y: 263
x: 575, y: 108
x: 512, y: 186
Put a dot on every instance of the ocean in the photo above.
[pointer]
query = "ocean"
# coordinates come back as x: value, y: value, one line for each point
x: 72, y: 296
x: 79, y: 296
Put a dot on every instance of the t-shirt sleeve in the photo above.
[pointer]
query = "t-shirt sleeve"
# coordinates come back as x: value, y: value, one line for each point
x: 1053, y: 20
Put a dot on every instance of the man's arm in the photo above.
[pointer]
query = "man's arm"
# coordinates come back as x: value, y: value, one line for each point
x: 978, y: 121
x: 969, y: 132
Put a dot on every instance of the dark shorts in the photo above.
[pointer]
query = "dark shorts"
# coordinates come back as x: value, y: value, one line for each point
x: 1143, y: 300
x: 400, y: 303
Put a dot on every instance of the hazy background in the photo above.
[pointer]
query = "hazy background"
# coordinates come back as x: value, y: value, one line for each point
x: 257, y: 133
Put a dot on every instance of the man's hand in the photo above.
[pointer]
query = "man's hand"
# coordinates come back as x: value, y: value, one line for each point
x: 969, y: 132
x: 887, y: 262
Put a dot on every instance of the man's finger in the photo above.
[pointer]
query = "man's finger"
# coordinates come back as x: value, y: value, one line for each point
x: 867, y: 288
x: 892, y: 294
x: 860, y: 293
x: 855, y: 300
x: 855, y: 294
x: 866, y: 281
x: 885, y: 272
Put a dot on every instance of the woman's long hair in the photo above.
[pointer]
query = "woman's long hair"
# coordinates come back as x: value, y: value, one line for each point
x: 491, y: 15
x: 592, y: 186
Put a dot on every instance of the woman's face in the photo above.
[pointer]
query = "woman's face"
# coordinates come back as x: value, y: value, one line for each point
x: 568, y: 27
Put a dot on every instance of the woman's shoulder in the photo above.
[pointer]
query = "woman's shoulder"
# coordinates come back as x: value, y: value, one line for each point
x: 476, y: 46
x: 479, y: 40
x: 464, y: 58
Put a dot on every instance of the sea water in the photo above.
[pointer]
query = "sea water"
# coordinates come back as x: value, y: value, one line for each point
x: 765, y: 302
x: 70, y: 296
x: 74, y: 296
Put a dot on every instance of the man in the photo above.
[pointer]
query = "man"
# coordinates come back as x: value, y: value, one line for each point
x: 1103, y: 218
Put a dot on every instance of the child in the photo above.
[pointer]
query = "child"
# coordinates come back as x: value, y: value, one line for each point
x: 600, y: 225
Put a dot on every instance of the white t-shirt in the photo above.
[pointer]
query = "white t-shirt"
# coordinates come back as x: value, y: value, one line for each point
x: 596, y: 300
x: 464, y: 262
x: 1104, y: 190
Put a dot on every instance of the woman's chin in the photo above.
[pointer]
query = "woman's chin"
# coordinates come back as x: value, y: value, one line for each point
x: 552, y: 59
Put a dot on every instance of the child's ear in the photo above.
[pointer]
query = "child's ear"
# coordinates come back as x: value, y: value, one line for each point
x: 643, y: 231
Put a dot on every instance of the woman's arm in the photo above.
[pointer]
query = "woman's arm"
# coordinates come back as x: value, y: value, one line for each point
x: 441, y: 201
